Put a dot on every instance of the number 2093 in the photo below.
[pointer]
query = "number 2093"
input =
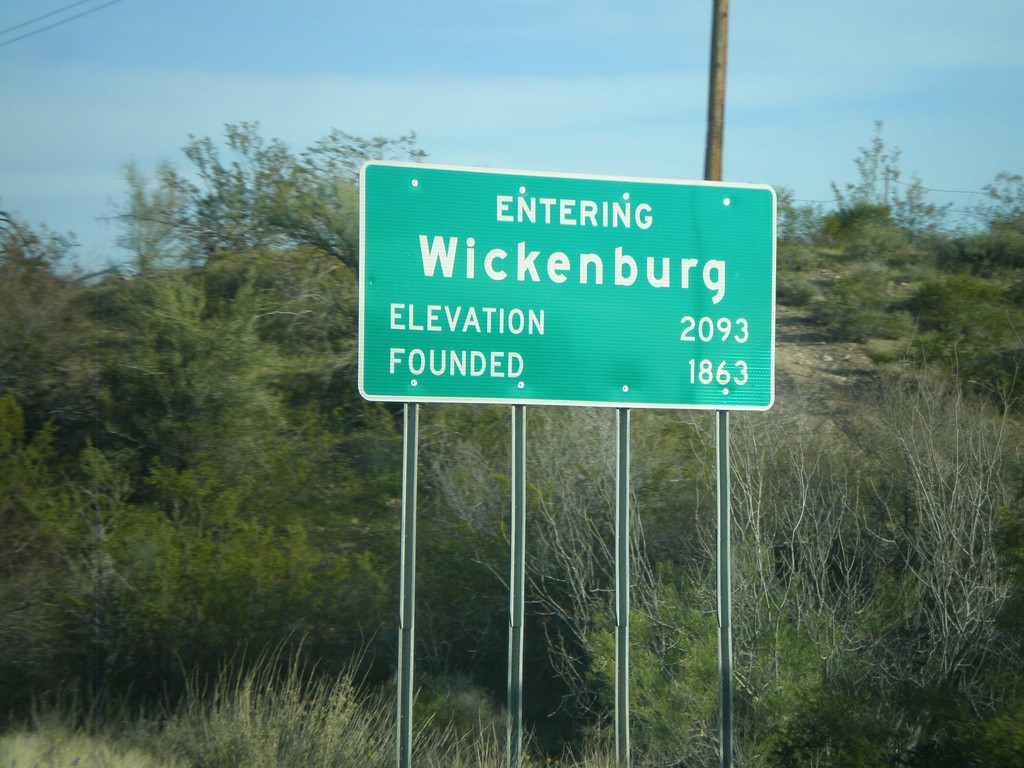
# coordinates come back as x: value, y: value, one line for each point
x: 710, y: 328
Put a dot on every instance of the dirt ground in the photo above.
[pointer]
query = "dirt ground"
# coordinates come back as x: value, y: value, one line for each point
x: 806, y: 359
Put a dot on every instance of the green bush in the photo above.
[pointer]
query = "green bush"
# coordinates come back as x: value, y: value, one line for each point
x: 798, y: 257
x: 809, y: 736
x: 850, y: 221
x: 969, y: 322
x: 957, y: 303
x: 858, y: 306
x: 794, y: 290
x: 1004, y: 737
x: 880, y: 244
x: 983, y: 253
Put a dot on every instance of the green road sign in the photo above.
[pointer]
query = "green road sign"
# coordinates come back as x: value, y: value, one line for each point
x: 491, y: 286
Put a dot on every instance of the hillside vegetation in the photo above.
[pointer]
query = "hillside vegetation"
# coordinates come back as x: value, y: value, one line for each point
x: 201, y: 515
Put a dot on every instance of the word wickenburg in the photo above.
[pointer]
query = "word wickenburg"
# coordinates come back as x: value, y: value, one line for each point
x: 558, y: 266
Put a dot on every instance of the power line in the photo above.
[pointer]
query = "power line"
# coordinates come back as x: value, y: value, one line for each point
x: 946, y: 191
x: 43, y: 16
x: 983, y: 193
x: 903, y: 183
x: 56, y: 23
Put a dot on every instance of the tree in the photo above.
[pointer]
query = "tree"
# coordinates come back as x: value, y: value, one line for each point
x: 797, y: 223
x: 26, y: 488
x: 880, y: 198
x: 1005, y: 208
x: 260, y: 196
x: 47, y: 331
x: 877, y: 166
x: 198, y: 380
x: 867, y: 588
x: 155, y: 220
x: 950, y: 458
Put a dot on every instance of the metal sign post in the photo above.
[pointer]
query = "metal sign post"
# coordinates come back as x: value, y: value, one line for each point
x: 517, y: 588
x: 407, y: 585
x: 724, y: 596
x: 622, y: 589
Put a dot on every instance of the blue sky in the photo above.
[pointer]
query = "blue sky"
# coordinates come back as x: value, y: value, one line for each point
x: 609, y: 88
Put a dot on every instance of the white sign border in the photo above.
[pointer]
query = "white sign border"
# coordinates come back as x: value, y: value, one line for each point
x: 549, y: 401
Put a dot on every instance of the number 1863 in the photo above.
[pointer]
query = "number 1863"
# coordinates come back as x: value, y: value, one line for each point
x: 707, y: 372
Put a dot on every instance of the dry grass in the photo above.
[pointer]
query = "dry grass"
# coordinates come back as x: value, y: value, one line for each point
x: 55, y: 747
x: 265, y: 715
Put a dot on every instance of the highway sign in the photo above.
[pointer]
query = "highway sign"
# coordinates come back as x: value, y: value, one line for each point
x: 493, y: 286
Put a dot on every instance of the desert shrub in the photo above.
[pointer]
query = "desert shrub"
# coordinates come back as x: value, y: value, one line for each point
x: 1014, y: 292
x: 457, y: 705
x: 986, y: 252
x: 797, y: 257
x: 797, y: 223
x: 57, y: 747
x: 851, y: 220
x: 809, y: 736
x: 858, y: 306
x: 970, y: 324
x: 1005, y: 736
x: 261, y: 715
x: 881, y: 244
x: 794, y: 290
x: 867, y: 233
x: 275, y: 712
x: 954, y: 303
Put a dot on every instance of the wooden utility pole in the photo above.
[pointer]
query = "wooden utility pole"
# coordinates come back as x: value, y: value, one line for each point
x: 713, y: 172
x: 716, y: 91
